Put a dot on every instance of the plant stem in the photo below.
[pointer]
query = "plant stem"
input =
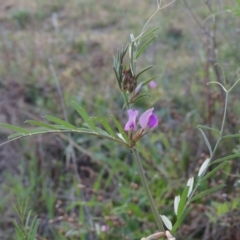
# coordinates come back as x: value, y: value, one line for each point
x: 215, y: 148
x: 222, y: 127
x: 147, y: 190
x: 125, y: 100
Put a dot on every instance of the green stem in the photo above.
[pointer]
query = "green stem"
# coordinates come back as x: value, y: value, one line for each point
x: 147, y: 190
x: 125, y: 100
x: 222, y: 127
x: 215, y: 148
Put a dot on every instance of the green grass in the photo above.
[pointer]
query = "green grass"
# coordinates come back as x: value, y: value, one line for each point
x: 110, y: 192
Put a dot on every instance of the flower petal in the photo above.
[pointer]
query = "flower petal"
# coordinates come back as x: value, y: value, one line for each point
x: 132, y: 119
x: 144, y: 118
x: 153, y: 121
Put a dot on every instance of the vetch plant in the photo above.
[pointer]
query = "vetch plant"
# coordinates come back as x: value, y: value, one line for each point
x: 129, y: 133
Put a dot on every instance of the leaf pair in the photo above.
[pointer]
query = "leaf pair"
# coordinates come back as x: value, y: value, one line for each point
x: 61, y: 126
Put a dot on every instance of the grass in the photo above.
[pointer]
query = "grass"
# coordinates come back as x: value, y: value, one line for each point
x: 81, y: 44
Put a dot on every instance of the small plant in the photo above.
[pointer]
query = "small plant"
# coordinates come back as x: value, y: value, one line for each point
x: 22, y: 17
x: 27, y: 226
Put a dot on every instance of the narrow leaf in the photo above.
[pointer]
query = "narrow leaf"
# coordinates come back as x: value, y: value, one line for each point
x: 150, y: 79
x: 18, y: 230
x: 86, y: 130
x: 211, y: 190
x: 167, y: 222
x: 222, y: 165
x: 143, y: 70
x: 142, y: 49
x: 206, y: 141
x: 106, y: 125
x: 61, y: 122
x: 231, y: 136
x: 41, y: 124
x: 27, y: 220
x: 183, y: 201
x: 190, y: 184
x: 203, y: 168
x: 226, y: 158
x: 132, y: 59
x: 14, y: 128
x: 103, y: 132
x: 117, y: 78
x: 180, y: 220
x: 33, y: 228
x: 124, y: 53
x: 15, y: 135
x: 139, y: 96
x: 176, y: 203
x: 149, y: 33
x: 84, y: 115
x: 120, y: 129
x: 208, y: 128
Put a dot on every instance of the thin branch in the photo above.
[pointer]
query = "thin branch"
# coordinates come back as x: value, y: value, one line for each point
x: 147, y: 190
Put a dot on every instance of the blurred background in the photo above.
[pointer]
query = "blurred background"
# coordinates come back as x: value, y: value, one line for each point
x: 100, y: 197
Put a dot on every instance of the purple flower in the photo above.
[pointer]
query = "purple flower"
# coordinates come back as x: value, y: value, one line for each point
x: 148, y: 120
x: 132, y: 120
x: 152, y: 84
x: 104, y: 228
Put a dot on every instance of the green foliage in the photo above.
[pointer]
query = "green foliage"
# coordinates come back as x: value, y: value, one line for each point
x: 144, y: 47
x: 22, y: 17
x: 27, y: 227
x: 62, y: 126
x: 118, y: 65
x: 85, y: 116
x: 207, y: 192
x: 182, y: 202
